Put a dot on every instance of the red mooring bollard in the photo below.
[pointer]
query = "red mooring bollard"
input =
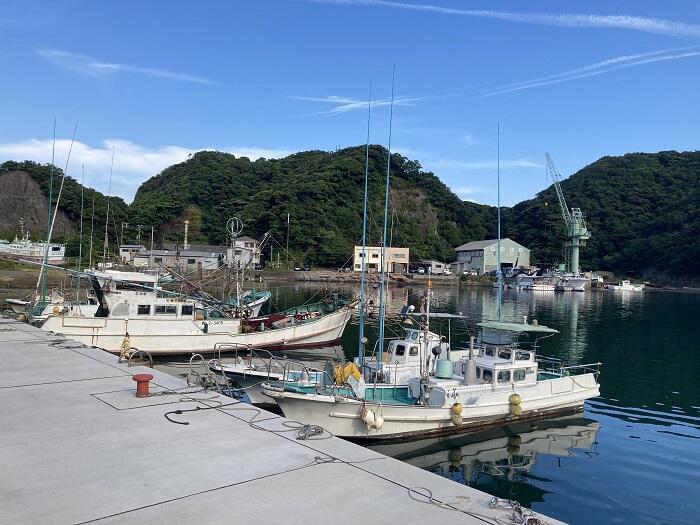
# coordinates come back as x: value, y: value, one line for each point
x: 142, y: 381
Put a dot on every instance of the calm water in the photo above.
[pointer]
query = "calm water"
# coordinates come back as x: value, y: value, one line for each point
x: 632, y: 457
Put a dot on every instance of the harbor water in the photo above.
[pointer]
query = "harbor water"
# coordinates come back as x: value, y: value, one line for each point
x: 633, y: 456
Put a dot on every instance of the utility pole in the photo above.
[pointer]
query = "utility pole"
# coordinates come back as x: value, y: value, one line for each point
x: 287, y: 241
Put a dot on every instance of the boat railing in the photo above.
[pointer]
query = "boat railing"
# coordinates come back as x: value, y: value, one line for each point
x: 314, y: 376
x: 556, y: 366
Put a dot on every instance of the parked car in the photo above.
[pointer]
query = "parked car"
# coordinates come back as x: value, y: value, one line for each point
x: 446, y: 271
x: 297, y: 268
x: 421, y: 270
x: 469, y: 272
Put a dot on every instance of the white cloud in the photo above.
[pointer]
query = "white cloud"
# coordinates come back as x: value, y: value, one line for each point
x: 598, y: 68
x: 483, y: 165
x: 133, y: 163
x: 345, y: 104
x: 635, y: 23
x: 467, y: 140
x: 463, y: 191
x: 92, y: 67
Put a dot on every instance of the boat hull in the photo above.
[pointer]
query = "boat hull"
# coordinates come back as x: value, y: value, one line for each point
x: 183, y: 336
x: 343, y: 416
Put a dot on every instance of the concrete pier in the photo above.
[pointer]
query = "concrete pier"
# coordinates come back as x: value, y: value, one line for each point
x: 77, y: 446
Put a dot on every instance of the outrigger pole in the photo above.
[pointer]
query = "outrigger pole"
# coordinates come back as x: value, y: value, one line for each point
x: 386, y: 211
x: 361, y: 326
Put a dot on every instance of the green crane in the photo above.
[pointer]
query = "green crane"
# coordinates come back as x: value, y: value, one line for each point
x: 574, y: 219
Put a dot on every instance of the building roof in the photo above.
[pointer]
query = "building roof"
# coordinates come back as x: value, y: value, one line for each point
x: 245, y: 238
x: 481, y: 245
x: 196, y: 248
x: 183, y: 253
x: 132, y: 246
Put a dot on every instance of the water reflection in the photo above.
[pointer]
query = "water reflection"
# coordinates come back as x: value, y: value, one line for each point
x: 501, y: 461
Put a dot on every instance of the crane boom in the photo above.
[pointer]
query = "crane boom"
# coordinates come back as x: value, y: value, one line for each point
x: 574, y: 218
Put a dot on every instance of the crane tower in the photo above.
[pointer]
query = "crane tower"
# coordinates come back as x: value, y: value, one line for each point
x: 574, y: 219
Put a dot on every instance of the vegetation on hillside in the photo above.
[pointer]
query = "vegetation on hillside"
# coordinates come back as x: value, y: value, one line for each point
x: 643, y: 210
x: 323, y: 194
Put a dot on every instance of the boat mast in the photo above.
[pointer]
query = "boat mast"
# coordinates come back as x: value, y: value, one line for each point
x: 386, y: 209
x: 499, y: 276
x: 109, y: 194
x: 92, y: 229
x: 361, y: 327
x: 80, y: 245
x: 48, y: 215
x: 43, y: 272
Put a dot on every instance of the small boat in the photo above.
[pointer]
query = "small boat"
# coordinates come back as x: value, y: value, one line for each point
x: 500, y: 382
x: 626, y: 286
x: 251, y: 301
x: 26, y: 249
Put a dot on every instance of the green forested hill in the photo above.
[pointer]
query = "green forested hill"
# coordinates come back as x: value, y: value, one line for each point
x: 322, y: 192
x: 643, y: 210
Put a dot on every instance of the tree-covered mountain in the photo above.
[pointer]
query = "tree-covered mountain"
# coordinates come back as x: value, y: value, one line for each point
x: 322, y: 192
x: 25, y: 189
x: 643, y: 210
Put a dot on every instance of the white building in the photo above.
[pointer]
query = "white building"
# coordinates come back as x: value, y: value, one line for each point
x: 482, y: 257
x: 434, y: 267
x: 127, y: 252
x: 396, y: 259
x: 246, y: 253
x: 183, y: 260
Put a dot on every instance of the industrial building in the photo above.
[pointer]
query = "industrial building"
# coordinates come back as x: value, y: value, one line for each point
x: 396, y: 259
x: 482, y: 256
x: 184, y: 260
x: 127, y: 252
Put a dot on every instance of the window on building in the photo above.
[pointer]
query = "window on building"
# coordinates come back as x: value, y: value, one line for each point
x: 166, y: 309
x: 191, y: 261
x: 143, y: 309
x: 519, y: 374
x: 186, y: 309
x: 400, y: 350
x: 158, y: 260
x: 375, y: 256
x: 358, y: 267
x: 504, y: 377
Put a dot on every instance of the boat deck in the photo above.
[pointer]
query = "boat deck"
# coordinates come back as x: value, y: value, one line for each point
x: 77, y: 446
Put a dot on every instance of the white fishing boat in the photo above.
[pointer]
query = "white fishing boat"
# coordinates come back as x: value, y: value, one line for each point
x: 571, y: 283
x: 24, y: 248
x: 626, y: 286
x: 500, y: 382
x: 136, y: 313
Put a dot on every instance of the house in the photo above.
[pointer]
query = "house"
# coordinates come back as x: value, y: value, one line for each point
x: 183, y: 260
x: 396, y: 259
x: 245, y: 254
x: 482, y: 257
x: 127, y: 252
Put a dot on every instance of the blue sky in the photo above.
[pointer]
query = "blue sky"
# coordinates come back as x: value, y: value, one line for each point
x: 159, y: 80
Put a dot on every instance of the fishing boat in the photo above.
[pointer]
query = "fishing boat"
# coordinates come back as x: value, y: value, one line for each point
x: 571, y: 283
x: 251, y: 300
x: 626, y: 286
x: 501, y: 381
x: 24, y: 248
x: 135, y: 312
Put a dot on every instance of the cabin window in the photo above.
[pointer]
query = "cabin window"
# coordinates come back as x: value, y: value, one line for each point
x: 504, y: 377
x: 55, y: 248
x: 522, y: 356
x: 504, y: 354
x: 400, y: 350
x: 144, y: 309
x: 166, y: 309
x: 191, y: 261
x: 413, y: 350
x: 519, y: 374
x: 158, y: 259
x: 478, y: 372
x: 489, y: 352
x: 487, y: 376
x: 186, y: 309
